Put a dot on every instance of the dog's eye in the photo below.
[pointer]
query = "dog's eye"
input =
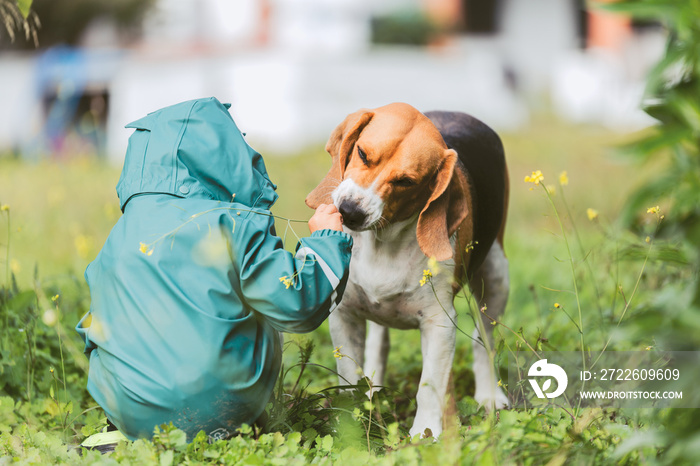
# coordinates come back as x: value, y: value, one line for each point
x: 403, y: 182
x: 362, y: 155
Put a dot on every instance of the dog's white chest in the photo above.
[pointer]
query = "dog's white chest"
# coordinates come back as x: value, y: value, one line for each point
x: 384, y: 284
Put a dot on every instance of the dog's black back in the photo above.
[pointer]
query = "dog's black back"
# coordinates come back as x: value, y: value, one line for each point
x: 481, y: 152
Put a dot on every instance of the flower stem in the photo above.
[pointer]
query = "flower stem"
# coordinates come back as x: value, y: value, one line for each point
x: 573, y: 277
x: 7, y: 253
x: 634, y: 291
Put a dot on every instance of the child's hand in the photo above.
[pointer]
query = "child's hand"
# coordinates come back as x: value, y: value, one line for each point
x: 326, y: 216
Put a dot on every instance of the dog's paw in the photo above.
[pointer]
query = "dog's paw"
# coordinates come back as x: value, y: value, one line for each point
x: 372, y: 391
x: 492, y: 399
x: 426, y: 425
x: 417, y: 432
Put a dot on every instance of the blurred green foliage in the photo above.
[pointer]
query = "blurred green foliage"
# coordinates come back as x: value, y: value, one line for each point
x: 54, y: 23
x: 403, y: 28
x: 673, y: 98
x: 16, y: 16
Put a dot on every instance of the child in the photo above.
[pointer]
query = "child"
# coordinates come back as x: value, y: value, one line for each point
x: 192, y: 287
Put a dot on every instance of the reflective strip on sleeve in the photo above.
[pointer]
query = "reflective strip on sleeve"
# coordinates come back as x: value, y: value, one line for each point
x: 302, y: 253
x: 334, y: 300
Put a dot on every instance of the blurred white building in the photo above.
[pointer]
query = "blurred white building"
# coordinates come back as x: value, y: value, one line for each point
x: 294, y: 68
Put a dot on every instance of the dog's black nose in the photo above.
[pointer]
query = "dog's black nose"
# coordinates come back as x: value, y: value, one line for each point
x: 353, y: 216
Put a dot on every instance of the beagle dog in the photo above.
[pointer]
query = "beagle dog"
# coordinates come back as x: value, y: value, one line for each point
x: 412, y: 187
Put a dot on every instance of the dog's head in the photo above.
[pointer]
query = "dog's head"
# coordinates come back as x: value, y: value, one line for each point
x: 390, y: 164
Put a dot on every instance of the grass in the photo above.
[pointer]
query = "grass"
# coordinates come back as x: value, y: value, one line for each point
x: 61, y: 213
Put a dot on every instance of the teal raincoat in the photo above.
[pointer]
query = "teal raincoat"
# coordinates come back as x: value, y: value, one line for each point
x: 192, y: 286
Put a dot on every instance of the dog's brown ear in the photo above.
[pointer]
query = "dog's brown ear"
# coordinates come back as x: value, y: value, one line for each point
x: 339, y: 145
x: 445, y: 211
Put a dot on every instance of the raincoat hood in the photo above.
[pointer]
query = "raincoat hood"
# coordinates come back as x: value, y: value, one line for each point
x: 194, y: 150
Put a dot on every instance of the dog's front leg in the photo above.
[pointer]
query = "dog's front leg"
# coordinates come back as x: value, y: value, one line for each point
x: 348, y: 336
x: 376, y: 353
x: 438, y: 348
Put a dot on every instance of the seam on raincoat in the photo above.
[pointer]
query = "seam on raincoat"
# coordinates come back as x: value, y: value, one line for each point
x: 178, y: 141
x: 257, y: 199
x: 143, y: 166
x: 266, y: 183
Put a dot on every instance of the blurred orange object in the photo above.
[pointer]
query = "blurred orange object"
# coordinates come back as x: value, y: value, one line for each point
x: 608, y: 30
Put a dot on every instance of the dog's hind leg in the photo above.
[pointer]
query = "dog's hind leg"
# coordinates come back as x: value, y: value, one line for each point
x: 376, y: 352
x: 489, y: 286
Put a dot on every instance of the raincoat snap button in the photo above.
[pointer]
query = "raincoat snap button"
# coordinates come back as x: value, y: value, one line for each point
x: 184, y: 189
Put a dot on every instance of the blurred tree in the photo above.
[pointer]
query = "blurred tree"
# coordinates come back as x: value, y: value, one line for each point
x: 66, y: 21
x: 407, y: 27
x: 672, y: 98
x: 16, y: 15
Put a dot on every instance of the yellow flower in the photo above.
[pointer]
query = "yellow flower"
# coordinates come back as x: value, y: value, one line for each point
x: 536, y: 177
x: 336, y: 352
x: 427, y: 275
x: 54, y: 299
x: 592, y: 214
x: 84, y: 245
x: 434, y: 266
x: 143, y: 247
x: 653, y: 210
x: 500, y: 383
x: 470, y: 246
x: 648, y: 348
x: 286, y: 281
x: 211, y: 251
x: 557, y: 305
x: 111, y: 211
x: 49, y: 317
x: 563, y: 178
x: 433, y: 269
x: 4, y: 208
x: 647, y: 239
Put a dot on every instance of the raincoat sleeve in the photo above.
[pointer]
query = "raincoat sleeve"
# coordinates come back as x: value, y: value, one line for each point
x: 294, y: 292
